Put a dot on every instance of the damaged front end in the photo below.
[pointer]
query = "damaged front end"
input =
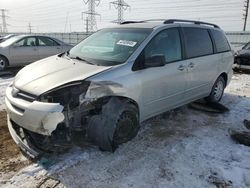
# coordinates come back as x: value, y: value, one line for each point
x: 68, y: 124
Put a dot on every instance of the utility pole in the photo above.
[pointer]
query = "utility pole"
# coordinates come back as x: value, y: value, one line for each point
x: 91, y: 14
x: 121, y: 6
x: 30, y: 28
x: 245, y: 14
x: 4, y: 23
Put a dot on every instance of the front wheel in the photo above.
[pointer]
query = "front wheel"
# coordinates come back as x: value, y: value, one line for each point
x: 117, y: 123
x: 217, y: 90
x: 3, y: 63
x: 127, y: 126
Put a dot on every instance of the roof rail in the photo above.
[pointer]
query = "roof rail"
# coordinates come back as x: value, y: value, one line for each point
x: 154, y: 20
x: 130, y: 22
x: 141, y: 21
x: 170, y: 21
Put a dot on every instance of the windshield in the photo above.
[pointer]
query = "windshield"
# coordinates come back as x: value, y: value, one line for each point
x: 109, y: 46
x: 246, y: 47
x: 9, y: 41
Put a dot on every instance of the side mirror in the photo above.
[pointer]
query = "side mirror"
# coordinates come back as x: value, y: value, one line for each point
x: 155, y: 61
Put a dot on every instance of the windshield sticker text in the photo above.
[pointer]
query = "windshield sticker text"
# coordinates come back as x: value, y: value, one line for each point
x: 126, y: 43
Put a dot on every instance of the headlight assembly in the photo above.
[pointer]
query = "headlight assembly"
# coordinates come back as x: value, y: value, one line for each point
x: 67, y: 94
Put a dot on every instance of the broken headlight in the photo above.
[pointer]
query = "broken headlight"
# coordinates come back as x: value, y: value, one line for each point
x: 66, y: 95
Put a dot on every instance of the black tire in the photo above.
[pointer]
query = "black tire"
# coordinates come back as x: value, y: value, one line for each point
x: 217, y: 91
x: 3, y: 63
x: 116, y: 124
x: 127, y: 126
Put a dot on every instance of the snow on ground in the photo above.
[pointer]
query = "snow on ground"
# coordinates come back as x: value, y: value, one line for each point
x: 181, y: 148
x: 4, y: 82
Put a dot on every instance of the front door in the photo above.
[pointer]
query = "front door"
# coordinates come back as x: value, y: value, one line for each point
x: 24, y: 51
x: 163, y: 87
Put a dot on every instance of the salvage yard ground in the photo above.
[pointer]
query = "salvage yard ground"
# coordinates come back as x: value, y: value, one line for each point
x: 181, y: 148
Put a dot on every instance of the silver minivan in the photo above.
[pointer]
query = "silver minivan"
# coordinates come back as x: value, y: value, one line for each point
x: 102, y: 89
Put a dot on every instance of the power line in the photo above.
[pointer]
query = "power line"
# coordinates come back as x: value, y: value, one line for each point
x: 91, y: 14
x: 120, y: 5
x: 246, y: 6
x: 46, y: 15
x: 4, y: 23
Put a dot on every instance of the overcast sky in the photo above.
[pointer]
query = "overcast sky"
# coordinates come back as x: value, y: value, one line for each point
x: 65, y: 15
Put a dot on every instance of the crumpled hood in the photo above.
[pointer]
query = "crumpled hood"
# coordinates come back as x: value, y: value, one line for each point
x: 52, y: 72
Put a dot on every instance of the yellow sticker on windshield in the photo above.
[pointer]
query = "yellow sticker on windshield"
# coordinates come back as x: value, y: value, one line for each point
x: 126, y: 43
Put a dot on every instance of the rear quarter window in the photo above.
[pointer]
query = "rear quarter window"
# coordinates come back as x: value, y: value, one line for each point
x: 220, y: 40
x: 198, y: 42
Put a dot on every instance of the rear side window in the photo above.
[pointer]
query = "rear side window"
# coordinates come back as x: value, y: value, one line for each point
x: 198, y: 42
x: 221, y: 42
x: 45, y: 41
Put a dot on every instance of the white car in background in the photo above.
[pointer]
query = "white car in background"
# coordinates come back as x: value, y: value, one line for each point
x: 24, y: 49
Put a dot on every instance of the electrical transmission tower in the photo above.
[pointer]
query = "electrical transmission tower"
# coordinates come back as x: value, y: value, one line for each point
x: 245, y: 15
x: 121, y: 6
x: 4, y: 23
x: 91, y: 14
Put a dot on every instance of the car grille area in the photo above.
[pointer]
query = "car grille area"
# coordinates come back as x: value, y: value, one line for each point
x: 23, y: 95
x: 243, y: 61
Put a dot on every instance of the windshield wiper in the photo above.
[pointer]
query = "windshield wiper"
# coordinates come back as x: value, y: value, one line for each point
x: 78, y: 58
x: 81, y: 59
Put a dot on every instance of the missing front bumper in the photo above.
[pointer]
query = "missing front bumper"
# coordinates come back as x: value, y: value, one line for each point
x: 22, y: 143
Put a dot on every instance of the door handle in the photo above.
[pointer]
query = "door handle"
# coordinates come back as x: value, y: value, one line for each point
x: 181, y: 68
x: 191, y: 65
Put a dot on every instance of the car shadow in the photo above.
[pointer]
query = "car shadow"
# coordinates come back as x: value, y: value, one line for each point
x: 9, y: 72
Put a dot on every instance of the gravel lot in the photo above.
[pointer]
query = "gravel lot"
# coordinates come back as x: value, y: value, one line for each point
x: 181, y: 148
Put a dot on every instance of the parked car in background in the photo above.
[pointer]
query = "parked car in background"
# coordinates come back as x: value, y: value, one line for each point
x: 102, y: 88
x: 4, y: 38
x: 242, y: 58
x: 24, y: 49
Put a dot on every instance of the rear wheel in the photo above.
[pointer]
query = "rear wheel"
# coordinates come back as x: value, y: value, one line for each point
x: 217, y: 90
x: 3, y: 63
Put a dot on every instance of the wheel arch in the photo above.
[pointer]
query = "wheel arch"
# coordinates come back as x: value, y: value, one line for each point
x: 121, y: 98
x: 225, y: 77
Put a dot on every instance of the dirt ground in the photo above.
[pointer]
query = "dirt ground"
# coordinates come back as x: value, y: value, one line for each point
x: 11, y: 159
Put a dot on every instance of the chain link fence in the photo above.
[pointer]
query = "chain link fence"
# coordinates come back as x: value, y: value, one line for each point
x: 237, y: 39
